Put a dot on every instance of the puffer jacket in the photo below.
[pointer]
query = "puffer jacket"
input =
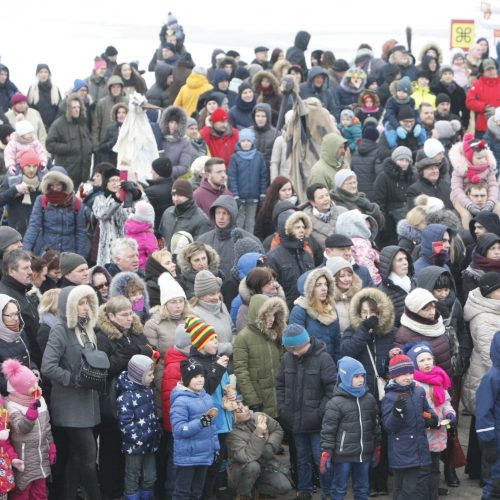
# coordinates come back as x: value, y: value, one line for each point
x: 158, y: 93
x: 188, y: 96
x: 441, y: 189
x: 350, y: 427
x: 159, y: 194
x: 357, y: 339
x: 248, y: 175
x: 142, y: 232
x: 257, y: 353
x: 304, y: 386
x: 193, y: 444
x: 137, y: 418
x: 171, y: 376
x: 264, y: 136
x: 484, y: 321
x: 484, y: 91
x: 7, y: 90
x: 270, y: 98
x: 325, y: 328
x: 223, y: 145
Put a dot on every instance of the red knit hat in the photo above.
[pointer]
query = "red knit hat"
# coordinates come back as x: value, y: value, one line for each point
x: 219, y: 115
x: 399, y: 365
x: 472, y: 145
x: 29, y: 158
x: 17, y: 98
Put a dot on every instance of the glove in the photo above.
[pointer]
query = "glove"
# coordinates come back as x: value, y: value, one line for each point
x: 32, y: 413
x: 452, y: 418
x: 370, y: 323
x: 402, y: 133
x: 473, y: 209
x: 325, y: 462
x: 417, y: 130
x: 52, y: 453
x: 364, y: 203
x: 206, y: 420
x: 489, y: 451
x: 256, y: 407
x: 18, y: 464
x: 399, y: 407
x: 431, y: 421
x: 268, y: 451
x: 488, y: 206
x: 489, y: 111
x: 376, y: 456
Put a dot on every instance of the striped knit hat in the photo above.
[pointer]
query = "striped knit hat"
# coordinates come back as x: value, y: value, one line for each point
x: 199, y: 331
x: 399, y: 365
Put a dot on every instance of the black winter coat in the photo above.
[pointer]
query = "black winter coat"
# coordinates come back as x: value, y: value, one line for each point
x: 457, y: 98
x: 440, y: 190
x: 304, y: 386
x: 14, y: 350
x: 213, y: 371
x: 48, y: 111
x: 363, y: 165
x: 107, y: 143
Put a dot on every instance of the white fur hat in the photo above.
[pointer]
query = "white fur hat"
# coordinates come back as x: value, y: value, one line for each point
x: 432, y: 147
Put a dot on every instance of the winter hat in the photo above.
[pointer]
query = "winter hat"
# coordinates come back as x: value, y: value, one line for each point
x: 489, y: 282
x: 402, y: 153
x: 220, y: 75
x: 418, y: 298
x: 488, y: 63
x: 24, y: 127
x: 472, y: 145
x: 100, y: 63
x: 205, y: 282
x: 41, y: 66
x: 20, y: 378
x: 338, y: 241
x: 107, y: 174
x: 138, y: 367
x: 400, y: 365
x: 8, y: 236
x: 429, y: 203
x: 29, y: 157
x: 370, y: 133
x: 442, y: 97
x: 199, y: 331
x: 182, y: 187
x: 180, y: 240
x: 219, y: 115
x: 190, y: 122
x: 424, y: 74
x: 169, y: 288
x: 342, y: 175
x: 347, y: 368
x: 336, y: 264
x: 414, y: 350
x: 243, y: 244
x: 182, y: 338
x: 247, y: 134
x: 79, y: 84
x: 190, y: 368
x: 295, y: 336
x: 404, y: 85
x: 447, y: 129
x: 340, y: 66
x: 445, y: 68
x: 163, y: 167
x: 5, y: 131
x: 244, y: 86
x: 110, y: 51
x: 17, y: 98
x: 347, y: 113
x: 432, y: 147
x: 144, y: 212
x: 406, y: 113
x: 68, y: 261
x: 241, y: 73
x: 200, y: 70
x: 485, y: 241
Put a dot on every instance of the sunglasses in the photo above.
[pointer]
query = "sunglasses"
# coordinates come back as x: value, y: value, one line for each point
x: 101, y: 286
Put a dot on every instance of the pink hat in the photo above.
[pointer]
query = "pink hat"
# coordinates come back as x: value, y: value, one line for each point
x: 472, y: 145
x: 20, y: 378
x: 17, y: 98
x: 101, y: 63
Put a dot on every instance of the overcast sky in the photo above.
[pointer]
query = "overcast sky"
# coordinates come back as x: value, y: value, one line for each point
x: 68, y: 35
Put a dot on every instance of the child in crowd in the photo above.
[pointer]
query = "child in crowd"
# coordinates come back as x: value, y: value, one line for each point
x: 394, y: 103
x: 405, y: 416
x: 30, y: 431
x: 421, y: 91
x: 350, y: 128
x: 369, y: 107
x: 140, y: 227
x: 139, y: 426
x: 130, y: 285
x: 195, y: 436
x: 350, y: 431
x: 248, y: 179
x: 23, y: 140
x: 460, y: 72
x: 436, y: 383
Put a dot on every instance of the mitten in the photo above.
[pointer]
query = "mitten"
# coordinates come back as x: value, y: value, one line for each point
x: 452, y: 418
x: 206, y: 420
x: 431, y: 421
x: 371, y: 323
x: 473, y: 209
x: 488, y: 206
x: 32, y: 413
x: 325, y: 462
x: 18, y: 464
x: 376, y: 456
x: 399, y: 407
x: 417, y: 130
x: 52, y: 453
x: 364, y: 203
x: 489, y: 451
x: 268, y: 451
x: 402, y: 133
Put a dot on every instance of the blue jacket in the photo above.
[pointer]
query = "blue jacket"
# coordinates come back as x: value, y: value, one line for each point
x: 137, y: 417
x: 392, y: 109
x: 430, y: 234
x: 407, y: 436
x: 60, y: 228
x: 193, y: 443
x: 248, y: 175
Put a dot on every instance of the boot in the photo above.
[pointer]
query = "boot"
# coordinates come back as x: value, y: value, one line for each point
x: 147, y: 495
x: 451, y: 478
x: 442, y: 492
x: 304, y: 495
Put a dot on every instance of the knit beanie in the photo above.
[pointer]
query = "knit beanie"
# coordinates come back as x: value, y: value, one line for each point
x: 347, y: 113
x: 338, y: 241
x: 402, y: 153
x: 24, y: 127
x: 68, y: 261
x: 220, y: 75
x: 171, y: 19
x: 107, y: 174
x: 244, y: 244
x: 347, y: 368
x: 191, y: 122
x: 5, y: 131
x: 138, y: 367
x: 472, y: 145
x: 199, y: 331
x: 190, y: 368
x: 247, y: 134
x: 447, y: 129
x: 443, y: 69
x: 17, y: 98
x: 370, y: 133
x: 200, y: 70
x: 180, y: 240
x: 335, y: 264
x: 342, y: 175
x: 79, y: 84
x: 8, y: 236
x: 182, y: 187
x: 219, y: 115
x: 406, y: 113
x: 110, y: 51
x: 485, y: 241
x: 144, y: 212
x: 414, y: 350
x: 400, y: 365
x: 182, y: 338
x: 295, y: 336
x: 404, y: 85
x: 244, y: 86
x: 100, y: 63
x: 432, y: 147
x: 489, y: 282
x: 205, y: 282
x: 442, y: 97
x: 241, y: 73
x: 41, y: 66
x: 29, y: 157
x: 169, y: 288
x: 163, y: 167
x: 418, y: 298
x: 20, y: 378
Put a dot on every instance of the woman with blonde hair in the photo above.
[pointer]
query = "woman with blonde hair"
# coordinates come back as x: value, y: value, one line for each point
x: 410, y: 229
x: 159, y: 262
x: 48, y: 311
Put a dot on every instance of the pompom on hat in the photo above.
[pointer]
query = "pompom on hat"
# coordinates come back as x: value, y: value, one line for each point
x: 20, y: 378
x: 473, y: 145
x: 199, y: 331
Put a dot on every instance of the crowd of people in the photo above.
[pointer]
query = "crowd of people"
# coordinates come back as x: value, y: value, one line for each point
x: 310, y: 263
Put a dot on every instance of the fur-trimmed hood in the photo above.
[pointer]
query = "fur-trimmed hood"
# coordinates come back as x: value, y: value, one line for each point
x: 260, y: 306
x: 212, y: 255
x: 357, y: 285
x: 246, y: 294
x: 262, y: 106
x: 177, y: 114
x: 370, y: 93
x: 120, y: 283
x: 352, y: 224
x: 257, y: 80
x: 110, y: 330
x: 116, y: 107
x: 460, y: 162
x: 83, y: 110
x: 385, y: 308
x: 431, y: 45
x: 68, y: 301
x: 295, y: 217
x: 53, y: 176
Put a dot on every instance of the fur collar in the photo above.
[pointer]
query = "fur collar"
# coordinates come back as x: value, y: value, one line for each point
x: 51, y: 177
x: 260, y: 306
x: 356, y: 286
x: 460, y: 162
x: 385, y: 307
x: 246, y: 294
x: 110, y: 330
x: 295, y: 217
x: 213, y: 260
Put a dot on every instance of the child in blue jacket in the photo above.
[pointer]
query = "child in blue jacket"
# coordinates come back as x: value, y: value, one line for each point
x: 195, y: 436
x: 248, y: 179
x: 139, y: 426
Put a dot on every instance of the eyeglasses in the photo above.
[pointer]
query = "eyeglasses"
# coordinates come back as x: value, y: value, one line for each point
x: 127, y: 314
x: 101, y: 286
x: 12, y: 316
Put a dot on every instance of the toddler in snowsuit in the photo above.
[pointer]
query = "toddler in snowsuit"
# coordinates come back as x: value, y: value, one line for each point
x: 350, y: 128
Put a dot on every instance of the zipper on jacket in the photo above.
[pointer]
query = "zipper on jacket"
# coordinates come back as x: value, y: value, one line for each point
x: 361, y: 427
x: 342, y: 441
x: 40, y: 445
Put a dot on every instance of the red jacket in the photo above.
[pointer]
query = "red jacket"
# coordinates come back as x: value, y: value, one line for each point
x: 483, y: 91
x: 171, y: 375
x: 221, y: 146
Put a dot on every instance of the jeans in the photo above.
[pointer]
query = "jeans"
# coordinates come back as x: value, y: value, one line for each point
x: 189, y: 482
x: 137, y: 466
x: 246, y: 216
x: 360, y: 480
x: 308, y: 447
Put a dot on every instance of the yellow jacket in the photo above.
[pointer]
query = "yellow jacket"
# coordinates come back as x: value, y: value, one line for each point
x: 187, y: 98
x: 423, y: 94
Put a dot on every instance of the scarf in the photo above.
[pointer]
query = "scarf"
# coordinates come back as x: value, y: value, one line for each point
x: 138, y: 305
x: 183, y: 207
x: 439, y: 381
x: 357, y: 392
x: 224, y: 233
x: 22, y: 399
x: 474, y: 172
x: 244, y: 106
x: 404, y: 283
x: 484, y: 263
x: 33, y: 185
x: 326, y: 216
x: 325, y: 318
x: 370, y: 109
x: 247, y: 155
x: 60, y: 199
x: 8, y: 335
x: 426, y: 327
x: 212, y: 308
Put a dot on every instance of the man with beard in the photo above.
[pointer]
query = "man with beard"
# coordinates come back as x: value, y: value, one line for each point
x: 427, y: 119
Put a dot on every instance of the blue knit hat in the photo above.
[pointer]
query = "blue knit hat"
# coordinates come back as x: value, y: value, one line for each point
x: 347, y: 368
x: 295, y: 336
x: 400, y: 365
x: 247, y: 134
x: 413, y: 350
x: 78, y: 84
